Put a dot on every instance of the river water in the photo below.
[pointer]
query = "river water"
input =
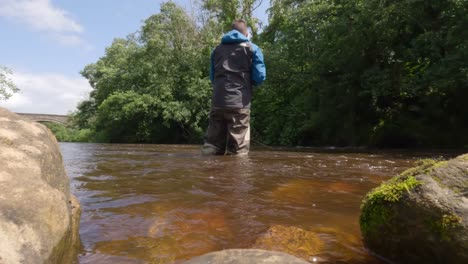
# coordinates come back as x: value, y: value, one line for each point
x: 167, y: 203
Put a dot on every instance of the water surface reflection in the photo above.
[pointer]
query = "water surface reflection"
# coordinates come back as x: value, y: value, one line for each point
x: 166, y: 203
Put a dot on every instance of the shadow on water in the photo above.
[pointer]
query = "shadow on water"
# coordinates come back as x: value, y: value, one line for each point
x: 167, y: 203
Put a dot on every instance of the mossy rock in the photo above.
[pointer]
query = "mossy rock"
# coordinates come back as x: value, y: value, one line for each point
x: 420, y: 216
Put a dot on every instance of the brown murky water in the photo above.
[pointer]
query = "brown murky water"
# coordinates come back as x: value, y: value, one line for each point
x: 167, y: 203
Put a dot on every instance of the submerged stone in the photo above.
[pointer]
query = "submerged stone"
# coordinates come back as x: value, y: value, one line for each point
x: 292, y: 240
x: 186, y: 233
x: 420, y: 216
x: 246, y: 256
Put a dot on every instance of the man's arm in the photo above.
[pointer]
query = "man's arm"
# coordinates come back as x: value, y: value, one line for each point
x: 212, y: 67
x: 258, y: 66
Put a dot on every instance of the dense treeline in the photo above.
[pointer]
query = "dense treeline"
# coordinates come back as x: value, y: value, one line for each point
x: 356, y: 72
x: 68, y: 133
x: 388, y: 73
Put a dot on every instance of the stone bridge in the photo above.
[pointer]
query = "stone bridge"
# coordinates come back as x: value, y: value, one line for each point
x: 62, y: 119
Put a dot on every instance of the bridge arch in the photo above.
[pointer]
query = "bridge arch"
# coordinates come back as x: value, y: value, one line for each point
x: 61, y: 119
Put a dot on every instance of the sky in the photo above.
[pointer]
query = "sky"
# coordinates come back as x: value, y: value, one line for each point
x: 46, y: 43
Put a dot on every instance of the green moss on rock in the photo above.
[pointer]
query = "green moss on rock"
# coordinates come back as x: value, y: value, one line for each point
x: 6, y: 141
x: 392, y: 190
x: 450, y: 221
x: 439, y: 181
x: 444, y: 225
x: 376, y: 208
x: 373, y: 216
x: 463, y: 157
x: 424, y: 166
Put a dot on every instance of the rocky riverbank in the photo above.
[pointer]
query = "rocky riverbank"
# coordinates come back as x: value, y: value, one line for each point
x: 39, y: 218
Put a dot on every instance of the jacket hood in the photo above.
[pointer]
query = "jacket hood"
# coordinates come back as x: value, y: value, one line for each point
x: 234, y: 36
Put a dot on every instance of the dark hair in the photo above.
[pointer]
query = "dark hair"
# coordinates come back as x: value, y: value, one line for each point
x: 240, y: 25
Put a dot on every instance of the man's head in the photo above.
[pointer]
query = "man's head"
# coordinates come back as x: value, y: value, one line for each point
x: 241, y: 26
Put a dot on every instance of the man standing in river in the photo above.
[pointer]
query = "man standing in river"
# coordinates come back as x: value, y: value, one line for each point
x: 236, y: 68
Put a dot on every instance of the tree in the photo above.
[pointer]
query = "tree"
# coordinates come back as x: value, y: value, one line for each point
x: 223, y: 13
x: 358, y: 72
x: 385, y: 73
x: 7, y: 87
x: 152, y: 86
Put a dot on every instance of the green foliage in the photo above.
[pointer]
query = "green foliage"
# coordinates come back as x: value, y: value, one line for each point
x: 225, y: 12
x: 83, y: 135
x: 152, y: 86
x: 60, y: 132
x: 360, y: 72
x: 7, y: 87
x: 383, y: 73
x: 65, y: 133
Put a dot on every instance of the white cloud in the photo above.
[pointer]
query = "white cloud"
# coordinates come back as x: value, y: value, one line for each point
x: 48, y: 93
x: 39, y: 14
x: 72, y: 40
x: 42, y: 16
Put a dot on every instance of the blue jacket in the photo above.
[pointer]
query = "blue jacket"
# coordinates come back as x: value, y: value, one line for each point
x: 236, y: 65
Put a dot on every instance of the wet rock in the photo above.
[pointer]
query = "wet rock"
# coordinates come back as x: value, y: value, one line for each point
x: 38, y: 223
x: 421, y: 216
x: 246, y: 256
x: 292, y: 240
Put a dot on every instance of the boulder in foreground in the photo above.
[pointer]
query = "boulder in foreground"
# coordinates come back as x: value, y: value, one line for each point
x: 420, y: 216
x: 39, y: 218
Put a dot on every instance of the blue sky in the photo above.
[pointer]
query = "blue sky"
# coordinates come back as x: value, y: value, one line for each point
x: 47, y: 42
